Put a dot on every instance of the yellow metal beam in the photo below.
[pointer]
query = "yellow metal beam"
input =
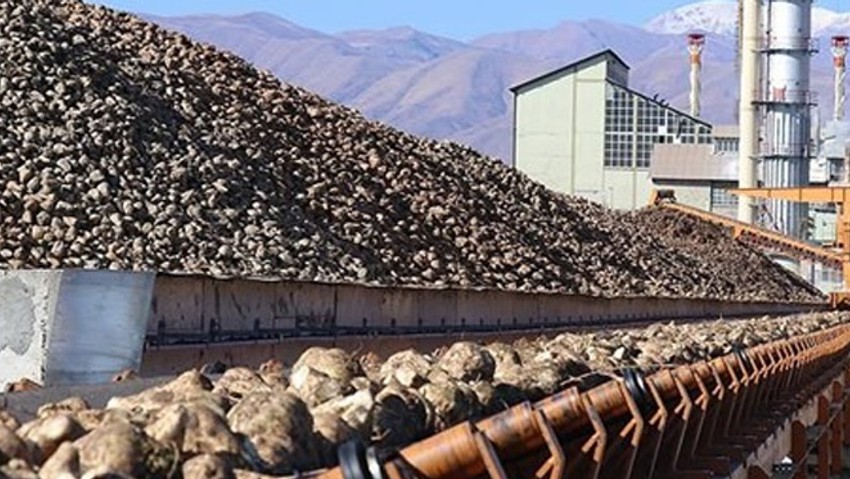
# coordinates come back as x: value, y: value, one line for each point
x: 840, y: 195
x: 763, y: 235
x: 805, y: 194
x: 767, y: 238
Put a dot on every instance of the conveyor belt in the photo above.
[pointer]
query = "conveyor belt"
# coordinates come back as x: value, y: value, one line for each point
x: 735, y: 416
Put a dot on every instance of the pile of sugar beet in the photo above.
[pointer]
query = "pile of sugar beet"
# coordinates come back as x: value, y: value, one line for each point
x: 277, y: 421
x: 125, y: 146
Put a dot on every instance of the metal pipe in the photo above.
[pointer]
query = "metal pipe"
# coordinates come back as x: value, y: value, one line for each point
x: 696, y: 44
x: 839, y: 57
x: 747, y: 112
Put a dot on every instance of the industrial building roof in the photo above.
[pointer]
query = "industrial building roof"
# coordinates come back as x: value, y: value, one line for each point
x: 609, y: 55
x: 693, y: 162
x: 572, y: 66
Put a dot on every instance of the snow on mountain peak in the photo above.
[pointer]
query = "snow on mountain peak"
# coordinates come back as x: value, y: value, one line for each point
x: 714, y: 16
x: 720, y: 18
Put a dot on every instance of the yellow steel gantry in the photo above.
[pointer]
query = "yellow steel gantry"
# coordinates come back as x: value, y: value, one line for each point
x: 838, y: 258
x: 838, y: 195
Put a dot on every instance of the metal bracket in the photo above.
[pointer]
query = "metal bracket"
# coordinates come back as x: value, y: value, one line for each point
x: 593, y: 449
x: 654, y: 434
x: 489, y: 456
x: 621, y: 454
x: 557, y: 462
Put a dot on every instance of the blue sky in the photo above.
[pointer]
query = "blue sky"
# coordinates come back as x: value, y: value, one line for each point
x: 466, y: 18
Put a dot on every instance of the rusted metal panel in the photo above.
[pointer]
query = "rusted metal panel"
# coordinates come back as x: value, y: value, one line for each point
x: 311, y: 305
x: 240, y: 304
x: 437, y: 306
x: 400, y: 308
x: 473, y: 306
x: 283, y: 315
x: 357, y: 307
x: 538, y: 307
x: 177, y: 305
x: 191, y: 304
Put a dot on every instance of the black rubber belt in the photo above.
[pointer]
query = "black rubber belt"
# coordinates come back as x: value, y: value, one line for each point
x: 357, y: 462
x: 635, y: 383
x: 352, y: 460
x: 744, y: 359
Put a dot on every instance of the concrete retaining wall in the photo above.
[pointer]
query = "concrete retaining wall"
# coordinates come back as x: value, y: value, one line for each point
x: 26, y: 309
x: 72, y: 327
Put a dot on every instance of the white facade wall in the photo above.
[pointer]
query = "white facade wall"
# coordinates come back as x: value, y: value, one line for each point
x: 560, y: 135
x: 559, y: 132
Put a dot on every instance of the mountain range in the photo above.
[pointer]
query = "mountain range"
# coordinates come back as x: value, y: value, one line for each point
x: 448, y: 89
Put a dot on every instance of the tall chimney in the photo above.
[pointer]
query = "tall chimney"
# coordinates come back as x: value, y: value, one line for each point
x: 747, y: 113
x: 839, y: 56
x: 787, y: 108
x: 696, y: 43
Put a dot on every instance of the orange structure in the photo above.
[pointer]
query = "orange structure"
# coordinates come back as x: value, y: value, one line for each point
x: 838, y: 257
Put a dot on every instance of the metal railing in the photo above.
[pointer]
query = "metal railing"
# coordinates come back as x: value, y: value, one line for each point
x: 784, y: 44
x: 794, y: 150
x: 786, y: 97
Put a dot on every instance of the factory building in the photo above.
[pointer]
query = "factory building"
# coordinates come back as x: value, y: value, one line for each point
x: 701, y: 175
x: 581, y: 130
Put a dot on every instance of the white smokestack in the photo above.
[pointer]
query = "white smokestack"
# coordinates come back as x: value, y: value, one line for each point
x: 788, y: 105
x: 747, y: 114
x: 696, y: 43
x: 839, y: 56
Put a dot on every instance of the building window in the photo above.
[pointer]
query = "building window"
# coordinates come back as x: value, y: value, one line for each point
x: 619, y: 127
x: 721, y: 198
x: 644, y: 152
x: 618, y: 151
x: 831, y: 275
x: 629, y: 140
x: 725, y: 145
